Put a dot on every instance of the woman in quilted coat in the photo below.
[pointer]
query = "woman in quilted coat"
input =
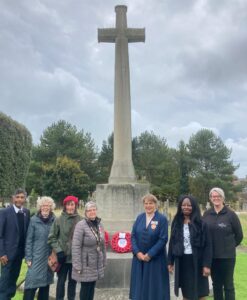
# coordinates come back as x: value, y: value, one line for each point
x: 88, y: 252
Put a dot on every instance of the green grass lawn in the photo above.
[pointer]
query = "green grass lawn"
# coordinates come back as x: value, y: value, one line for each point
x: 18, y: 295
x: 240, y: 277
x: 243, y: 220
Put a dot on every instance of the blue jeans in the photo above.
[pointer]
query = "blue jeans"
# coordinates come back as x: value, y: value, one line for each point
x: 9, y: 276
x: 65, y: 270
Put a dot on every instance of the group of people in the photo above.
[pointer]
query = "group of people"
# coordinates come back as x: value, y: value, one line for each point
x: 77, y: 242
x: 199, y: 246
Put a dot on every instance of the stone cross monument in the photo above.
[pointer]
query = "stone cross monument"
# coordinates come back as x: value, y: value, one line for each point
x: 122, y: 170
x: 119, y: 201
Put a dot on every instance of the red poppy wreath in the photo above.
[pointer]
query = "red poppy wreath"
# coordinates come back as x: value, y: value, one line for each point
x: 121, y: 242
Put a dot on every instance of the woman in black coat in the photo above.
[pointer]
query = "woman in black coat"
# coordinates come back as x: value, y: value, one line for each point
x: 227, y: 234
x: 190, y: 249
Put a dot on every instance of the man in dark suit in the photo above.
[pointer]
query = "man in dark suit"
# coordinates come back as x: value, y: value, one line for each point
x: 14, y: 222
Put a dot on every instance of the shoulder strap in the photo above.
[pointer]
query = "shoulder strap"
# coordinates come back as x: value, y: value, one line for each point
x: 72, y: 229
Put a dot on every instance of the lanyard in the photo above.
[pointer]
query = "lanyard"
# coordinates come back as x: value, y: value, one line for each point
x: 96, y: 234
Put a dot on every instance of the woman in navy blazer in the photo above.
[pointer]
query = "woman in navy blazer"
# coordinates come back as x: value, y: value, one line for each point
x: 149, y: 274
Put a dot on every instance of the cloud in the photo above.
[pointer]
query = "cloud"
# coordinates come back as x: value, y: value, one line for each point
x: 189, y: 74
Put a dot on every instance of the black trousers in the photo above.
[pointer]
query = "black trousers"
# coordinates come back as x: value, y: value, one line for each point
x: 222, y: 275
x: 64, y: 272
x: 8, y: 278
x: 43, y: 293
x: 87, y: 290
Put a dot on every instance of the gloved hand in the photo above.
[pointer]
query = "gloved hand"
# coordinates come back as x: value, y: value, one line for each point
x: 61, y: 258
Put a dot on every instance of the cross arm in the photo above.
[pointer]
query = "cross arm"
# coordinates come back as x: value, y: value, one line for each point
x: 107, y: 35
x: 135, y: 35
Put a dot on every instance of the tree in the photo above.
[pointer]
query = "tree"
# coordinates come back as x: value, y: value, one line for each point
x: 105, y: 160
x: 211, y: 164
x: 15, y: 155
x: 155, y: 162
x: 150, y: 152
x: 183, y: 161
x: 34, y: 181
x: 62, y: 139
x: 65, y: 178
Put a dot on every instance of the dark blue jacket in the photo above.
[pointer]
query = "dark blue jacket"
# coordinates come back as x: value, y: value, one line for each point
x: 9, y: 231
x: 150, y: 280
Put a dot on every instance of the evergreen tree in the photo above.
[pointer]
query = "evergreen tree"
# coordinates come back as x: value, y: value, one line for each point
x: 15, y: 155
x: 211, y: 164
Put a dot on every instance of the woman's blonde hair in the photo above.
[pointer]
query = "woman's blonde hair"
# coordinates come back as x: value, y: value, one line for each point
x: 42, y: 200
x: 217, y: 190
x: 150, y: 197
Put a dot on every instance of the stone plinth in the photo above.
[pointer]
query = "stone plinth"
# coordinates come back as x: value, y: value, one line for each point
x: 119, y: 204
x: 117, y: 272
x: 120, y: 201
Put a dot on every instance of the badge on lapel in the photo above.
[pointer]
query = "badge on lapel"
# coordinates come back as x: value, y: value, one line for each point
x: 154, y: 224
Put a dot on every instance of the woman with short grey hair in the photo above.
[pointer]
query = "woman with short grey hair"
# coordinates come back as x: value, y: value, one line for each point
x: 89, y: 205
x: 39, y: 276
x: 219, y: 191
x: 88, y: 251
x: 226, y: 233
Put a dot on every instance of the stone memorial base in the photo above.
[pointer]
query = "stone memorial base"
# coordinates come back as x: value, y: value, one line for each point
x: 117, y: 271
x: 119, y: 204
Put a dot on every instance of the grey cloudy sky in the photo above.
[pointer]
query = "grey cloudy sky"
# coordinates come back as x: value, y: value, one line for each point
x: 191, y: 72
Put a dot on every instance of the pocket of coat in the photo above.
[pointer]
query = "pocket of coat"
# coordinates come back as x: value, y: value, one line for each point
x: 92, y: 261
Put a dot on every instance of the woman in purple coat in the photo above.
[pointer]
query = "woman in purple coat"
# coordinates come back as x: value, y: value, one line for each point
x: 149, y: 273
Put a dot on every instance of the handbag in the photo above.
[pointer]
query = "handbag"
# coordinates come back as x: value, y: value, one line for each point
x: 53, y: 262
